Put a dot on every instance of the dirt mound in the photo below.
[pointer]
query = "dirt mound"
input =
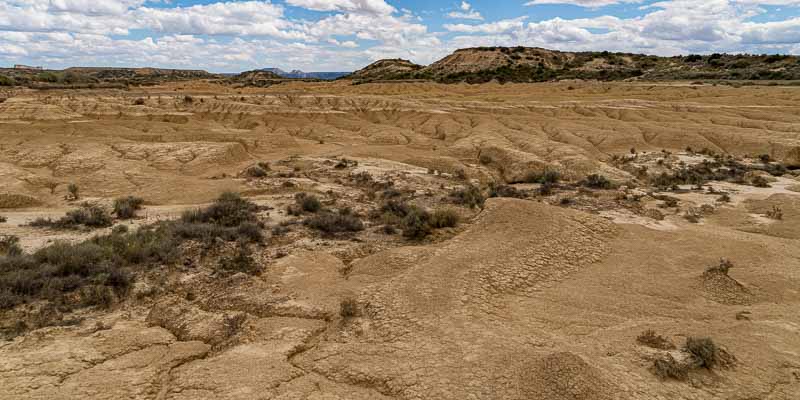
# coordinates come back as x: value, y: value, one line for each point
x: 565, y: 376
x: 492, y: 58
x: 722, y: 288
x: 386, y: 69
x: 15, y: 200
x: 179, y: 155
x: 434, y: 312
x: 258, y: 78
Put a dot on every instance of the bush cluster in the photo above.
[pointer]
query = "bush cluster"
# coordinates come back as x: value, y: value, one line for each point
x: 330, y: 222
x: 596, y: 181
x: 88, y: 215
x: 100, y: 270
x: 126, y: 207
x: 470, y: 196
x: 92, y: 272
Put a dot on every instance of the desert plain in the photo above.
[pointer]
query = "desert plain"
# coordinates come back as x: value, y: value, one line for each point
x: 571, y: 240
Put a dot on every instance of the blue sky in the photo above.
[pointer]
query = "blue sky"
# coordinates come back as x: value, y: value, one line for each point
x: 237, y: 35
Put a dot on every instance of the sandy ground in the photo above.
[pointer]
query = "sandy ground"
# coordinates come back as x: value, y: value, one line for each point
x: 528, y: 299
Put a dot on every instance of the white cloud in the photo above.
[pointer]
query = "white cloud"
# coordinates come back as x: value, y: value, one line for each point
x: 238, y: 35
x: 583, y: 3
x: 366, y: 6
x: 466, y: 12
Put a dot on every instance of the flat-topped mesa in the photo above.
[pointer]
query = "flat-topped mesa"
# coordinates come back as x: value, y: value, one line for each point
x: 533, y: 64
x: 396, y: 68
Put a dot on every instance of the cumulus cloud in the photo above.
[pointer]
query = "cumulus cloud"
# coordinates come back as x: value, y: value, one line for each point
x: 227, y: 35
x: 465, y: 12
x: 363, y: 6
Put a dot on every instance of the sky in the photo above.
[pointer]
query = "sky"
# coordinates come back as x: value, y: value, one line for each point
x: 345, y: 35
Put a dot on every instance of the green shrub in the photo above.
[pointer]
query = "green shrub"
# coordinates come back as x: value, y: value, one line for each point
x: 545, y: 177
x: 444, y: 219
x: 9, y: 246
x: 470, y: 196
x: 73, y: 274
x: 308, y: 202
x: 329, y: 222
x: 6, y: 81
x: 596, y: 181
x: 126, y: 207
x: 505, y: 191
x: 229, y: 210
x: 88, y: 215
x: 417, y: 224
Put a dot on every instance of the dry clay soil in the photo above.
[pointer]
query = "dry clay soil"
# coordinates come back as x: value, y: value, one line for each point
x: 526, y: 300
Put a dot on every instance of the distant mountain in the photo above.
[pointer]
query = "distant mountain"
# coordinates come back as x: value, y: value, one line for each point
x: 297, y: 74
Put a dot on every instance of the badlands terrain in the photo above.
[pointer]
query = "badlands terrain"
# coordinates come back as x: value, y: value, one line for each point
x: 574, y: 240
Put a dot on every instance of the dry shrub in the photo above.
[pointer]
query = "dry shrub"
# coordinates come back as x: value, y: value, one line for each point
x: 444, y: 219
x: 126, y: 207
x: 348, y: 308
x: 669, y: 368
x: 596, y: 181
x: 649, y: 338
x: 88, y: 215
x: 722, y: 268
x: 329, y: 222
x: 775, y: 213
x: 470, y: 196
